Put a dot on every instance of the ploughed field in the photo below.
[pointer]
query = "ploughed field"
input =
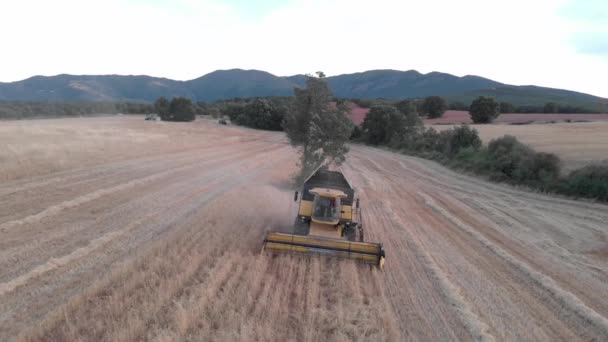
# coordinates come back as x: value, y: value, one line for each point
x: 120, y: 229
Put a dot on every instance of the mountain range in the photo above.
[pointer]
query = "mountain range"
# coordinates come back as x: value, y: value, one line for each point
x: 223, y: 84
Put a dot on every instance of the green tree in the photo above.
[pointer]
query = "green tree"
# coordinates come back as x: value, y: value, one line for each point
x: 161, y: 106
x: 406, y: 106
x: 261, y: 114
x: 433, y: 107
x: 382, y: 124
x: 550, y: 107
x: 316, y: 125
x: 484, y: 110
x: 181, y: 109
x: 232, y: 110
x: 506, y: 107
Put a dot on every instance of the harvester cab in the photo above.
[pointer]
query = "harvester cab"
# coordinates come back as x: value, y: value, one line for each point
x: 327, y: 223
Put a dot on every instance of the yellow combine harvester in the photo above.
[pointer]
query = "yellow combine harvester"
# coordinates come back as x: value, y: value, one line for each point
x: 328, y: 222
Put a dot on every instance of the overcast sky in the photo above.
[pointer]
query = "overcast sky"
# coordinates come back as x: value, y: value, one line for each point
x: 554, y: 43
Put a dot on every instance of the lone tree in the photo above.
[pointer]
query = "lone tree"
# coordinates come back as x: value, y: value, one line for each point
x: 320, y: 127
x: 433, y: 107
x: 261, y: 114
x: 484, y: 109
x: 386, y: 125
x: 382, y: 124
x: 181, y: 109
x: 161, y: 106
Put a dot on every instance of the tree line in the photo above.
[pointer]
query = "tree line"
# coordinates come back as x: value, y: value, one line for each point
x: 261, y: 112
x: 505, y: 107
x: 503, y: 159
x: 25, y: 110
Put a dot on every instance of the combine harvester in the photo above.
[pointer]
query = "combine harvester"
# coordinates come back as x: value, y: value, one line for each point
x: 327, y: 222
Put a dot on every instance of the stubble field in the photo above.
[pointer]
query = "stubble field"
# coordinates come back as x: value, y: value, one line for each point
x: 577, y: 144
x: 117, y: 229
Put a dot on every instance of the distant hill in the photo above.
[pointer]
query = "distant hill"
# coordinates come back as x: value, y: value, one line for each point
x: 222, y: 84
x: 91, y: 88
x: 404, y: 84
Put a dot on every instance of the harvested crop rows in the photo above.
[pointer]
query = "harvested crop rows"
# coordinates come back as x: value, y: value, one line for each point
x: 160, y: 243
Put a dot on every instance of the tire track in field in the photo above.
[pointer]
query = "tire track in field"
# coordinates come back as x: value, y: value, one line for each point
x: 81, y: 252
x: 204, y: 192
x: 549, y: 229
x: 90, y: 174
x: 120, y: 209
x: 54, y: 209
x: 408, y: 186
x: 424, y: 306
x: 566, y: 299
x: 92, y: 263
x: 26, y: 256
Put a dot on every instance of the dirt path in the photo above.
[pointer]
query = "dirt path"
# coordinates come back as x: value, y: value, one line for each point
x: 165, y: 247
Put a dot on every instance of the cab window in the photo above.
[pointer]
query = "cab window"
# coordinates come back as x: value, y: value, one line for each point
x: 326, y: 208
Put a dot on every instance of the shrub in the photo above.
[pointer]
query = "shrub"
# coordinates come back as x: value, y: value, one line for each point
x: 427, y: 140
x: 448, y: 142
x: 590, y: 181
x: 543, y: 168
x: 463, y: 137
x: 473, y: 159
x: 516, y: 162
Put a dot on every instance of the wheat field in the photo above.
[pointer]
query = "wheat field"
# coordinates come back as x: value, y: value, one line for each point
x: 577, y: 144
x: 120, y: 229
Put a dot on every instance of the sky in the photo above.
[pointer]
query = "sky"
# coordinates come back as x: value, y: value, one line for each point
x: 553, y: 43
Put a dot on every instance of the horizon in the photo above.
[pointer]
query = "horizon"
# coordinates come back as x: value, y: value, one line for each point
x: 559, y: 44
x: 300, y: 74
